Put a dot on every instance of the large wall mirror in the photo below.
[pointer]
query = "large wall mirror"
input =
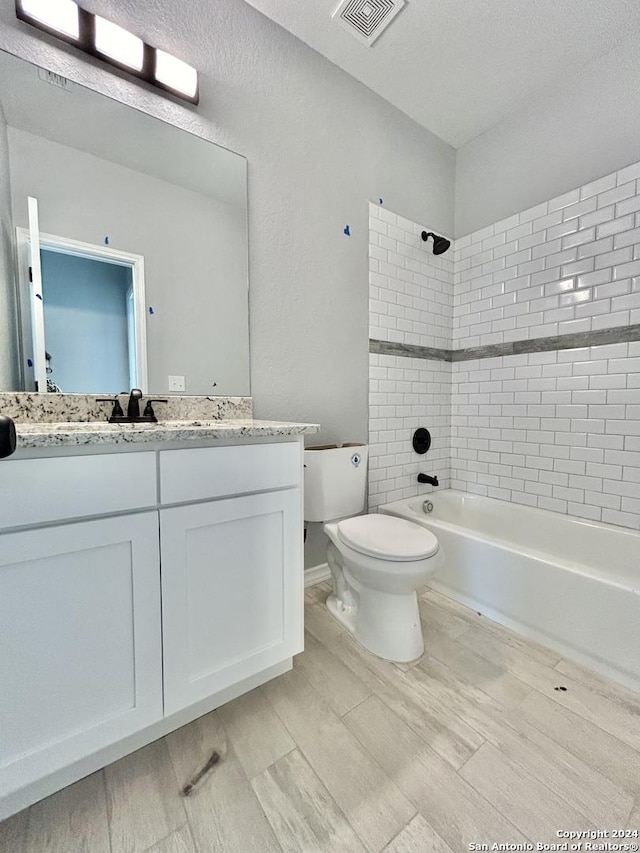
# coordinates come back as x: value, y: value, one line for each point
x: 123, y: 247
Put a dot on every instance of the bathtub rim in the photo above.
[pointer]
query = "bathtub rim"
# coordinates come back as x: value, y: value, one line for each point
x: 629, y: 584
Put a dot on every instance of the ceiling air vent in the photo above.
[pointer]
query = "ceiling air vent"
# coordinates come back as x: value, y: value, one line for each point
x: 366, y: 19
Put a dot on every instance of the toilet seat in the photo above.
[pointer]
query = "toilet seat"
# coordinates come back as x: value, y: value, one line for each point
x: 387, y: 538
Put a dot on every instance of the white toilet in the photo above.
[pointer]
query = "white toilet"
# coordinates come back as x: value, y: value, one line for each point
x: 377, y: 561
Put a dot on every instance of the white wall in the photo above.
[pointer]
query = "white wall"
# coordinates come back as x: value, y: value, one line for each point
x: 319, y: 145
x: 586, y: 126
x: 192, y: 244
x: 9, y: 378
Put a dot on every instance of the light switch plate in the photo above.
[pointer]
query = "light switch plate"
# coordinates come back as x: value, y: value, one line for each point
x: 177, y: 383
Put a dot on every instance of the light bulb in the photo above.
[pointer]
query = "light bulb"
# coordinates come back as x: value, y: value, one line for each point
x: 118, y: 44
x: 59, y: 15
x: 176, y: 74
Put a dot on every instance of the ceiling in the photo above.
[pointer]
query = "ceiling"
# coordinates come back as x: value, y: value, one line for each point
x: 459, y: 67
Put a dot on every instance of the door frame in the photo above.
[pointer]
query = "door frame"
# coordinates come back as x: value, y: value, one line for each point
x: 66, y: 246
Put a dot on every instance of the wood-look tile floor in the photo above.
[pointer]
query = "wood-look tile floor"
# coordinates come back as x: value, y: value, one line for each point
x: 472, y: 744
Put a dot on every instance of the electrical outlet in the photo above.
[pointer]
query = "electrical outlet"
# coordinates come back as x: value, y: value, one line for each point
x: 177, y: 383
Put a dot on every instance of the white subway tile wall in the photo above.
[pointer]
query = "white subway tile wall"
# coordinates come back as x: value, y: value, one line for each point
x: 404, y: 394
x: 569, y: 265
x: 410, y: 302
x: 410, y: 288
x: 557, y: 430
x: 554, y: 430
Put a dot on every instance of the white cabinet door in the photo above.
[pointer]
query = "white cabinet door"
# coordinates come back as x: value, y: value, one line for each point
x: 80, y: 642
x: 232, y: 589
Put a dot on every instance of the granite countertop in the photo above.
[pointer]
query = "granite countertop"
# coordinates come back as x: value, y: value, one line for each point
x: 32, y: 435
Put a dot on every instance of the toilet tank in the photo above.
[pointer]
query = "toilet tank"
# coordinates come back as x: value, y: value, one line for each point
x: 334, y: 481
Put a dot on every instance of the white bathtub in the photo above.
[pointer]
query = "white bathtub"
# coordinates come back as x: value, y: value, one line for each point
x: 572, y: 585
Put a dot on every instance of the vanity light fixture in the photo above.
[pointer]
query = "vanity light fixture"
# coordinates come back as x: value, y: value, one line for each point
x: 112, y: 44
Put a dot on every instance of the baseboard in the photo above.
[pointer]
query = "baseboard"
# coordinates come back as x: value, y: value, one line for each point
x: 317, y: 574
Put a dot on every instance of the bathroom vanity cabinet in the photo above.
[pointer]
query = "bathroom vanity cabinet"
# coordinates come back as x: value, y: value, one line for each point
x: 232, y: 572
x: 139, y: 589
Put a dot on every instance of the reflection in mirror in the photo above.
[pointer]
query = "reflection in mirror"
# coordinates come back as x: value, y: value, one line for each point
x: 92, y: 332
x: 133, y: 269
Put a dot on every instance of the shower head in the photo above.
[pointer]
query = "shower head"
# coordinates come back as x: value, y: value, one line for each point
x: 440, y: 244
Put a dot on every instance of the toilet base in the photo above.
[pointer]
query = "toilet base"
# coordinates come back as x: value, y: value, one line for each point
x: 344, y: 615
x: 385, y: 624
x: 376, y: 599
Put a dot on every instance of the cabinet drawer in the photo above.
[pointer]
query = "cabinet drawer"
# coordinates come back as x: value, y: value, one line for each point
x: 210, y: 472
x: 36, y: 491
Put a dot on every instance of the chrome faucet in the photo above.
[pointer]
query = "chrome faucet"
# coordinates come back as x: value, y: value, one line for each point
x: 427, y: 478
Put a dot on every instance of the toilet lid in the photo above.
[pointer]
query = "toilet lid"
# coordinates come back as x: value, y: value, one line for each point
x: 387, y: 537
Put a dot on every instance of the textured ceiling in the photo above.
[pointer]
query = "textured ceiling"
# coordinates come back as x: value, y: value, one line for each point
x: 459, y: 67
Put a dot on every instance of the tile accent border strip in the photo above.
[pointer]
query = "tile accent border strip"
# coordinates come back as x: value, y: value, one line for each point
x: 409, y: 350
x: 621, y: 334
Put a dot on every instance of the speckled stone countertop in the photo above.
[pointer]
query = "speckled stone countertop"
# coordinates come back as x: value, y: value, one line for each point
x: 78, y: 434
x: 26, y: 407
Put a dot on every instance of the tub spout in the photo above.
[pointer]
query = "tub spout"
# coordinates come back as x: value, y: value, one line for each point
x: 427, y: 478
